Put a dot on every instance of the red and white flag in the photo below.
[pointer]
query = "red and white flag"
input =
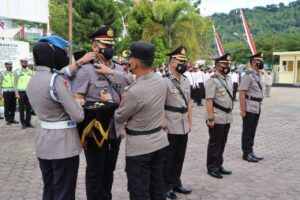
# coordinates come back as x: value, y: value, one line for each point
x: 2, y: 25
x: 22, y: 31
x: 248, y: 34
x: 218, y: 43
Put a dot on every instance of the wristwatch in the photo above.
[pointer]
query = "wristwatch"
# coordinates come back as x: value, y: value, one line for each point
x: 211, y: 119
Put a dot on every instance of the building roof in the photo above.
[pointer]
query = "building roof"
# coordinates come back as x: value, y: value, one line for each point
x: 286, y: 53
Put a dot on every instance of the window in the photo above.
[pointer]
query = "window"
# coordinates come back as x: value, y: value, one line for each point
x: 287, y: 66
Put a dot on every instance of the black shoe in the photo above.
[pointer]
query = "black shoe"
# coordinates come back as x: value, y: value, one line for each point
x: 23, y: 126
x: 215, y: 174
x: 14, y: 122
x: 171, y: 194
x: 256, y: 157
x: 224, y: 171
x: 182, y: 190
x: 249, y: 158
x: 29, y: 126
x: 7, y: 123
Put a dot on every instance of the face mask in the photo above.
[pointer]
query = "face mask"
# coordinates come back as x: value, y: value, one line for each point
x: 181, y: 68
x: 223, y: 70
x: 9, y: 68
x: 260, y: 65
x: 107, y: 52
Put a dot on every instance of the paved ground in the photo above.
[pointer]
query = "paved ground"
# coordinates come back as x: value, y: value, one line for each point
x: 276, y: 177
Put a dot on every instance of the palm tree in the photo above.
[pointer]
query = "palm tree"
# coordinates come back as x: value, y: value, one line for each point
x: 171, y: 24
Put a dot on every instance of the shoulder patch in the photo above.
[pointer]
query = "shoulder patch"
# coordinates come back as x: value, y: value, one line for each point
x: 67, y: 84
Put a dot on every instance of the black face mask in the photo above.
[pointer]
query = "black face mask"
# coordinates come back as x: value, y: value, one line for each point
x: 260, y: 65
x: 181, y: 68
x: 107, y: 52
x: 223, y: 70
x: 9, y: 68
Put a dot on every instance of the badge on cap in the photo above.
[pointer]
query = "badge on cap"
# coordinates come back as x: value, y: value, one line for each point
x: 110, y: 32
x: 228, y: 58
x: 183, y: 51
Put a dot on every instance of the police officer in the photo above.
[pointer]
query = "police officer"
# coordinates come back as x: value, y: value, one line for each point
x: 142, y: 109
x: 219, y: 104
x: 22, y: 77
x: 57, y: 142
x: 251, y: 96
x: 7, y: 87
x: 178, y: 121
x: 88, y: 84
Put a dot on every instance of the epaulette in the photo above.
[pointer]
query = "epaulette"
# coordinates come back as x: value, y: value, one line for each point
x: 247, y: 71
x: 166, y: 76
x: 129, y: 86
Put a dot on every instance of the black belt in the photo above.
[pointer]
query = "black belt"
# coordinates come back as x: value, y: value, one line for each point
x: 176, y: 109
x: 135, y: 133
x: 227, y: 110
x: 254, y: 98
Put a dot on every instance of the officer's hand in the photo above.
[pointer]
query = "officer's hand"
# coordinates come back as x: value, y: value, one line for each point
x: 243, y: 113
x: 123, y: 134
x: 80, y: 101
x: 17, y: 96
x: 87, y: 57
x: 105, y: 96
x: 1, y: 96
x: 84, y: 145
x: 103, y: 69
x: 210, y: 124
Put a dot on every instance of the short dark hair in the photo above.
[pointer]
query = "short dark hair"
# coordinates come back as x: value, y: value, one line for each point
x: 145, y: 63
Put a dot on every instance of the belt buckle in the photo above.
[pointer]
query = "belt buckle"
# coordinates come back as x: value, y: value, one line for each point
x: 70, y: 124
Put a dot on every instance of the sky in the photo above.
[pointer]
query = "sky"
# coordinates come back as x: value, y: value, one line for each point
x: 209, y: 7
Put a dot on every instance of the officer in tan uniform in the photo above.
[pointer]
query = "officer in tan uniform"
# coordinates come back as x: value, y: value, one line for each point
x: 178, y: 121
x: 88, y: 85
x: 251, y: 96
x: 142, y: 109
x: 219, y: 104
x: 57, y: 141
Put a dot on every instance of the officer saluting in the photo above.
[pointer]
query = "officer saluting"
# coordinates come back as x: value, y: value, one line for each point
x: 178, y: 121
x: 57, y: 141
x: 219, y: 104
x: 251, y: 96
x: 142, y: 109
x: 7, y: 87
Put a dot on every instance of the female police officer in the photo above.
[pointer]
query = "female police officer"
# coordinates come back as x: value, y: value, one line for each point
x: 57, y: 141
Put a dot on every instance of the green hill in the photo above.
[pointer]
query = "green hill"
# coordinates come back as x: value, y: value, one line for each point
x: 274, y: 28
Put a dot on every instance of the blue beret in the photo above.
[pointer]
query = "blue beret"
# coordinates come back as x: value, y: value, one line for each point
x: 56, y: 41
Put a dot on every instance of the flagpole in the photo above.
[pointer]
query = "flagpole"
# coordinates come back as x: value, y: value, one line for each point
x: 248, y: 34
x: 70, y: 28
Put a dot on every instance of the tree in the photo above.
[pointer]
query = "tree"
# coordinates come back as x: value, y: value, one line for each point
x: 171, y: 25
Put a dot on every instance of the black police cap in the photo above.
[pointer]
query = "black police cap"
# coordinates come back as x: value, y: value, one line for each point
x: 223, y: 59
x: 104, y: 35
x: 179, y: 53
x: 257, y: 56
x: 142, y: 50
